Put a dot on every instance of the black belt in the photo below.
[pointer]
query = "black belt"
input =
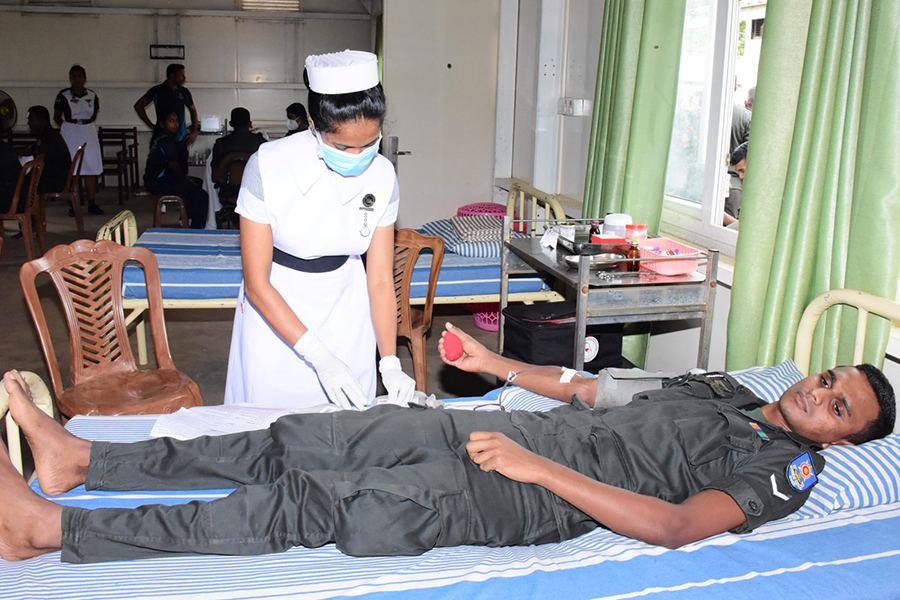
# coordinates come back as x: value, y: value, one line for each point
x: 323, y: 264
x: 78, y: 121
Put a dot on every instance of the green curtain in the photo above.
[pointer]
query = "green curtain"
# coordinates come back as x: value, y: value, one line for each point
x: 821, y: 205
x: 634, y: 111
x: 634, y: 108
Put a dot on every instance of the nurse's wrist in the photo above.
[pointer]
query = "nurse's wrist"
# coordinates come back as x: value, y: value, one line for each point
x: 389, y: 363
x: 310, y: 348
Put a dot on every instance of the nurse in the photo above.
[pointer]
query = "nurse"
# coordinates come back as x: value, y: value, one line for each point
x: 75, y: 111
x: 309, y: 313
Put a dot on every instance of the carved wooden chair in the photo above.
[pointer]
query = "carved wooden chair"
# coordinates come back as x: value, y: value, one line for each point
x: 70, y: 192
x: 414, y: 322
x: 106, y: 380
x: 28, y: 217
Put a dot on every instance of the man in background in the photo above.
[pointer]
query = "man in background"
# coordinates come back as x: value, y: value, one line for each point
x: 240, y: 140
x: 51, y: 145
x: 167, y: 97
x: 736, y: 170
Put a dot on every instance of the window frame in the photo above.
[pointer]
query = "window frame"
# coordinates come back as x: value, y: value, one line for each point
x: 689, y: 220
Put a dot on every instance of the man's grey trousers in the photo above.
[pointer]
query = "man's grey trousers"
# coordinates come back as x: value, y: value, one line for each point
x: 386, y: 481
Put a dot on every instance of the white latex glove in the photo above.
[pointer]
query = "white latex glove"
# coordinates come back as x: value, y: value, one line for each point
x: 335, y: 376
x: 400, y: 386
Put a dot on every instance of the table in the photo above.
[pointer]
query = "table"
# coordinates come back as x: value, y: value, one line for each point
x: 625, y: 298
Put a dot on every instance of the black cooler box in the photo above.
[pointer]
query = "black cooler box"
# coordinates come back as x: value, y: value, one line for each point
x: 544, y: 334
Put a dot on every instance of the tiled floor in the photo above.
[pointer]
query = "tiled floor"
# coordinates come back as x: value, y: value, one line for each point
x: 199, y: 339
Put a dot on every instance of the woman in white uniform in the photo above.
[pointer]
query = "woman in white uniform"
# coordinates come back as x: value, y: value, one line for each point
x: 309, y: 313
x: 75, y: 111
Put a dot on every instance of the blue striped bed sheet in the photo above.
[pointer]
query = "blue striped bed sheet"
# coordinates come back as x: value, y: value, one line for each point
x: 848, y: 554
x: 203, y: 265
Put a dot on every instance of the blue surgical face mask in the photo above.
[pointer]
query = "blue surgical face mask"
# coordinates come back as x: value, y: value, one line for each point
x: 345, y: 163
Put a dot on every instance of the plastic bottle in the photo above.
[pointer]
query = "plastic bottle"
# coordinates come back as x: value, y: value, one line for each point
x: 634, y: 252
x: 595, y: 228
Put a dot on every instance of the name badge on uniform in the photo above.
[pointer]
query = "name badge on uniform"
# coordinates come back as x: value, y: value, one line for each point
x: 801, y: 473
x: 367, y: 202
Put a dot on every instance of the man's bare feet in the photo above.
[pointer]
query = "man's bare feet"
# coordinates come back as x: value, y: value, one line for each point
x: 29, y: 525
x: 60, y: 458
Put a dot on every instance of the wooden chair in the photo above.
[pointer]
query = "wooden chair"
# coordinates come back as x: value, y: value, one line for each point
x: 27, y: 219
x: 69, y: 192
x: 114, y: 151
x: 132, y: 167
x: 106, y: 380
x: 229, y: 176
x: 414, y: 322
x: 121, y: 229
x: 42, y: 399
x: 161, y: 202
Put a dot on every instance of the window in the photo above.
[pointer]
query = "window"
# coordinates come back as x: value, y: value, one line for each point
x: 696, y: 176
x: 756, y: 29
x: 282, y: 5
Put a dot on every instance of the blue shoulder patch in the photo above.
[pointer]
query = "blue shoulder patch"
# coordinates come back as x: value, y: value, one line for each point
x: 801, y: 473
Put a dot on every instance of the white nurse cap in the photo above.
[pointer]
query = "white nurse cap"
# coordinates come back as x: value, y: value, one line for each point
x: 342, y: 72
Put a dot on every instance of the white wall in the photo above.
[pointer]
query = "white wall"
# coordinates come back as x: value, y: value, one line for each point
x: 231, y: 58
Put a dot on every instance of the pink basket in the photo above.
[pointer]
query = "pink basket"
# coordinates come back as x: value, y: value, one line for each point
x: 664, y: 247
x: 482, y: 208
x: 486, y: 315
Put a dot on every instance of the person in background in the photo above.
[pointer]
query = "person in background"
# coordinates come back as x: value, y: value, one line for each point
x: 242, y: 139
x: 309, y: 313
x: 75, y: 111
x: 296, y: 119
x: 51, y: 145
x: 167, y: 168
x: 736, y: 171
x: 748, y: 103
x: 170, y: 96
x: 10, y: 167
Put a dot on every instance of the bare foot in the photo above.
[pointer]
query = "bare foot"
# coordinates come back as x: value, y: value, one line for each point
x: 29, y: 525
x: 60, y: 458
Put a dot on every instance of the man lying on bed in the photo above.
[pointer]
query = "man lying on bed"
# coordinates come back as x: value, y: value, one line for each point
x: 677, y: 465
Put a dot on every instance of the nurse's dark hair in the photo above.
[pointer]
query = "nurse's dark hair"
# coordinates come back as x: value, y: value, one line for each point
x: 77, y: 69
x: 884, y: 392
x: 329, y: 111
x: 297, y: 110
x: 164, y: 115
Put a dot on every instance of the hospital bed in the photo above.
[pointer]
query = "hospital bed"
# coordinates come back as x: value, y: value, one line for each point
x: 844, y: 543
x: 201, y: 269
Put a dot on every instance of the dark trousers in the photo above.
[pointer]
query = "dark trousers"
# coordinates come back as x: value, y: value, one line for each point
x: 195, y: 197
x: 386, y: 481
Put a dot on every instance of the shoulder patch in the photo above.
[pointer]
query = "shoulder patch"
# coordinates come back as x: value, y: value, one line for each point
x: 801, y: 473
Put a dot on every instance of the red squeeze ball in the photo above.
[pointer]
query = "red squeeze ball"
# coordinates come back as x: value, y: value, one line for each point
x: 452, y: 346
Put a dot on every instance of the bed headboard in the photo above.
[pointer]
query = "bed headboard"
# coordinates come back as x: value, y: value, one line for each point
x: 865, y: 303
x: 531, y: 204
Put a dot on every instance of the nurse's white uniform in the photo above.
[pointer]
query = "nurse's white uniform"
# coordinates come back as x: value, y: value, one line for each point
x: 313, y: 212
x: 81, y: 108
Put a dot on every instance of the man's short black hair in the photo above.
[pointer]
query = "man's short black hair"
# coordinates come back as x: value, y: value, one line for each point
x: 240, y: 117
x: 329, y: 111
x: 884, y: 392
x: 173, y: 68
x: 77, y: 69
x: 40, y: 112
x: 739, y: 154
